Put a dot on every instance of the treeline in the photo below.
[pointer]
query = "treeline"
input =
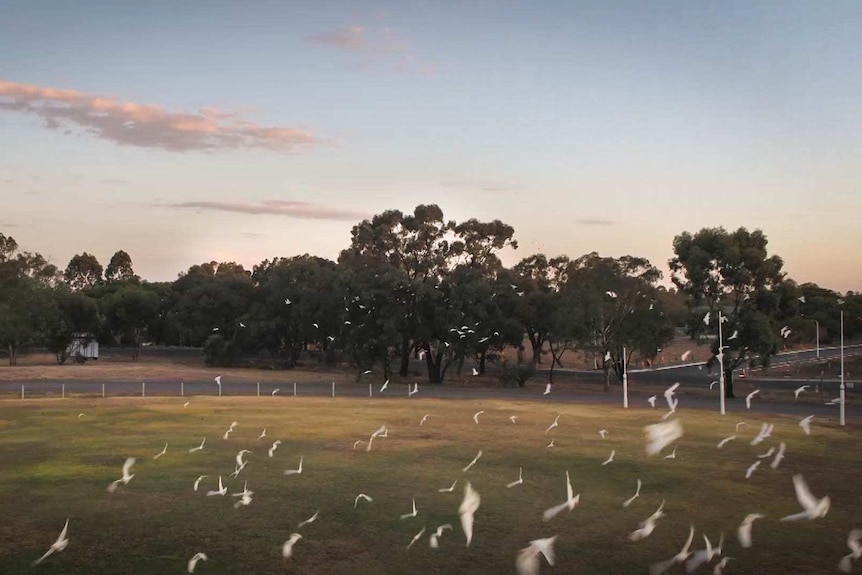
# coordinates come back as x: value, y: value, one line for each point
x: 419, y: 286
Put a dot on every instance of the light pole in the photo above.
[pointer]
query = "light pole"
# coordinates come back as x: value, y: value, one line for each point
x: 721, y: 363
x: 841, y: 407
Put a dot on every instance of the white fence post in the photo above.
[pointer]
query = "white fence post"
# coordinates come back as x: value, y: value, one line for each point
x: 182, y: 389
x: 103, y: 390
x: 294, y: 389
x: 22, y: 392
x: 64, y: 391
x: 143, y: 389
x: 258, y: 389
x: 333, y: 389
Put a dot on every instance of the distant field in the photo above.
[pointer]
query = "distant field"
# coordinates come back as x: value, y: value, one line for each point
x: 56, y: 464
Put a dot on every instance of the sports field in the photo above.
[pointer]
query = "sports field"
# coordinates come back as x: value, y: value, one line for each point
x: 59, y: 456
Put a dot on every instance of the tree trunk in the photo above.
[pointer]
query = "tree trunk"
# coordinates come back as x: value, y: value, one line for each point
x: 13, y: 359
x: 607, y: 369
x: 433, y: 361
x: 405, y: 357
x: 482, y: 362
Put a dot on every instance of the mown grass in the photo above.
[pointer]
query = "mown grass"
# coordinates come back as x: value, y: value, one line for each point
x: 54, y: 465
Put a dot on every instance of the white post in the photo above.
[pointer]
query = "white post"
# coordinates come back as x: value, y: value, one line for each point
x: 22, y: 392
x: 818, y: 338
x: 182, y: 389
x: 294, y: 389
x: 841, y: 417
x: 143, y: 389
x: 625, y: 381
x: 103, y: 391
x: 258, y: 389
x: 369, y: 390
x: 219, y: 389
x: 721, y: 362
x: 63, y: 390
x: 333, y: 389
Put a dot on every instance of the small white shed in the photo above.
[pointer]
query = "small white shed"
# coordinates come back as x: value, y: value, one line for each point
x: 84, y: 346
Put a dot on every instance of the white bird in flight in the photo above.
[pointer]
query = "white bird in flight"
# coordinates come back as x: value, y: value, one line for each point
x: 767, y: 454
x: 414, y: 391
x: 220, y: 491
x: 296, y: 471
x: 743, y: 533
x: 610, y: 459
x: 416, y: 538
x: 198, y: 481
x: 631, y: 499
x: 765, y: 431
x: 553, y: 425
x: 750, y: 471
x: 671, y: 455
x: 547, y: 389
x: 725, y: 441
x: 472, y: 463
x: 475, y: 372
x: 467, y: 510
x: 218, y: 380
x: 570, y: 502
x: 603, y: 432
x: 229, y: 430
x: 647, y: 526
x: 685, y: 355
x: 362, y: 496
x: 199, y: 447
x: 434, y: 540
x: 685, y: 552
x: 476, y: 416
x: 287, y: 547
x: 528, y: 560
x: 58, y: 545
x: 262, y: 434
x: 669, y: 397
x: 706, y: 319
x: 661, y: 435
x: 311, y: 519
x: 778, y: 456
x: 275, y: 445
x: 739, y: 424
x: 799, y: 390
x: 611, y: 294
x: 193, y: 562
x: 165, y: 450
x: 513, y: 418
x: 651, y: 400
x: 448, y: 489
x: 749, y: 397
x: 424, y: 419
x: 702, y: 556
x: 412, y: 513
x: 813, y: 508
x: 518, y: 481
x: 127, y: 466
x: 274, y: 391
x: 854, y: 543
x: 384, y: 386
x: 551, y: 444
x: 805, y: 424
x: 734, y: 335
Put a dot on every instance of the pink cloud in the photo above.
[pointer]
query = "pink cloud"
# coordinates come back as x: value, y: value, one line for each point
x: 346, y: 38
x: 377, y: 47
x: 147, y: 125
x: 301, y: 210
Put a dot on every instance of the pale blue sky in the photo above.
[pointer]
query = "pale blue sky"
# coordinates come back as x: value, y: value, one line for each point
x: 552, y: 116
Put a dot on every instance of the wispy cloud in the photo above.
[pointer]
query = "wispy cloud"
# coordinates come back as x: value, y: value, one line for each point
x: 301, y: 210
x: 252, y: 235
x: 376, y: 47
x: 346, y: 38
x: 595, y: 222
x: 147, y: 125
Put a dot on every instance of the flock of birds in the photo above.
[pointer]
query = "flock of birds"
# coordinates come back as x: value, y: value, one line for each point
x: 659, y: 437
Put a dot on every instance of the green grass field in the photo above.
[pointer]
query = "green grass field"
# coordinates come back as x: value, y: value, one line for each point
x: 55, y: 465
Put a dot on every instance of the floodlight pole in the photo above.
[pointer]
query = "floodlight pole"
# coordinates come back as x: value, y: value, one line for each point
x: 721, y: 363
x: 625, y: 381
x: 841, y: 417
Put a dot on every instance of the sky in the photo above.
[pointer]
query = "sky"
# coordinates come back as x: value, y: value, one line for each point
x: 185, y: 132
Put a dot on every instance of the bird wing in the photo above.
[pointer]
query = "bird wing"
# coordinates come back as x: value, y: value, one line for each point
x: 569, y: 491
x: 803, y: 493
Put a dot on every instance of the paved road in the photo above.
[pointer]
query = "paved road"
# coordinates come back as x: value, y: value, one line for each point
x: 691, y: 374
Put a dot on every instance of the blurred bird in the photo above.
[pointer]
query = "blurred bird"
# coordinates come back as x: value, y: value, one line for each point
x: 813, y: 508
x: 467, y: 510
x: 193, y: 562
x: 58, y: 545
x: 527, y: 562
x: 744, y: 530
x: 287, y: 548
